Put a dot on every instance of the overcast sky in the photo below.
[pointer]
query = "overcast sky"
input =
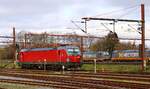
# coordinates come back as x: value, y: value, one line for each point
x: 47, y: 14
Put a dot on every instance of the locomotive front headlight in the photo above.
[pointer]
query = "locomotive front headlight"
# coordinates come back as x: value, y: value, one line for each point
x: 78, y: 57
x: 68, y: 60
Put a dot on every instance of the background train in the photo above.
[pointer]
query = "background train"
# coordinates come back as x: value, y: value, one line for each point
x: 99, y: 56
x: 117, y: 55
x: 129, y: 55
x: 68, y: 56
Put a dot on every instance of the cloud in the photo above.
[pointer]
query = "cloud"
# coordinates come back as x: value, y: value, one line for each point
x: 54, y: 13
x: 36, y: 12
x: 37, y: 15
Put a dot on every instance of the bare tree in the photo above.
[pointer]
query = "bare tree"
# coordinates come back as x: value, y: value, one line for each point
x: 107, y: 44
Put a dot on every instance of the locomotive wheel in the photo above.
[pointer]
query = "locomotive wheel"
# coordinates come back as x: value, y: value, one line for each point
x: 23, y: 66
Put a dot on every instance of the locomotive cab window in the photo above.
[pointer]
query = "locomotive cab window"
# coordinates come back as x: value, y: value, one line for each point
x: 73, y: 51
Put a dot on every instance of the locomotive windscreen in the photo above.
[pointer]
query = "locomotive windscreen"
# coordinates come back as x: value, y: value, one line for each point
x: 73, y: 51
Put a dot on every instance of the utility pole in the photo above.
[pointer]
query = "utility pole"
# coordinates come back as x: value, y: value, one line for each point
x: 85, y: 22
x: 25, y: 41
x: 81, y: 46
x: 114, y: 25
x: 14, y: 36
x: 143, y: 37
x: 14, y: 43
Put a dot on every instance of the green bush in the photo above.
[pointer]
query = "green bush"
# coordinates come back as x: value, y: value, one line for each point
x: 7, y: 52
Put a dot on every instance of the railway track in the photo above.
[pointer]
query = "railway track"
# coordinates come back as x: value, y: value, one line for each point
x: 129, y: 77
x: 79, y: 73
x: 58, y: 83
x: 138, y: 77
x: 87, y: 80
x: 76, y: 83
x: 45, y: 84
x: 115, y: 62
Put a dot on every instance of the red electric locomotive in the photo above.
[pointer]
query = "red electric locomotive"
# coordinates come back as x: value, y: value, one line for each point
x: 68, y: 56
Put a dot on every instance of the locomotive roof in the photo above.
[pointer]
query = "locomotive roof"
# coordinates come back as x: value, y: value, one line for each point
x: 66, y: 47
x: 37, y: 49
x: 45, y: 49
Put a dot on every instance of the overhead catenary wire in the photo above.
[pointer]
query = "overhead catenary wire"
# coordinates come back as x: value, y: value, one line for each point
x: 116, y: 11
x: 128, y: 12
x: 133, y: 9
x: 148, y: 13
x: 78, y: 26
x: 108, y: 29
x: 134, y: 29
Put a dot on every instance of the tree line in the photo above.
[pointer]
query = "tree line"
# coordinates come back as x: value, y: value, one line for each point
x: 109, y: 43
